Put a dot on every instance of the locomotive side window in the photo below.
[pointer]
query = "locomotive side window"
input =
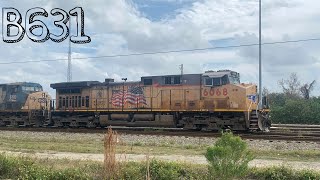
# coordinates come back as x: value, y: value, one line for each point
x: 216, y: 81
x: 147, y: 82
x: 224, y: 80
x: 76, y: 101
x: 60, y: 102
x: 79, y: 101
x: 82, y: 102
x: 87, y: 101
x: 67, y: 101
x: 14, y: 89
x: 208, y: 81
x: 73, y: 102
x: 213, y: 82
x: 167, y: 80
x: 176, y: 80
x: 172, y: 80
x: 70, y: 91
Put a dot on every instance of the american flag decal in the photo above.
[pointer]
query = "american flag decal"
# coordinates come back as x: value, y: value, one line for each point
x: 252, y: 97
x: 134, y: 96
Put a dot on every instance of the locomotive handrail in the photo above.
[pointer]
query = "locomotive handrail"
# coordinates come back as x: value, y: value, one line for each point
x: 249, y: 110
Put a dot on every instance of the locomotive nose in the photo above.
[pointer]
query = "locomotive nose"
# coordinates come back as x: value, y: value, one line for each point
x: 38, y: 100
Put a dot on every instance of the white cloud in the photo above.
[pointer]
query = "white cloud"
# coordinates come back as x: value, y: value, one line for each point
x: 118, y: 27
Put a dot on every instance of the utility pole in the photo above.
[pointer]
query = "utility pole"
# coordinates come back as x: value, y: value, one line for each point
x: 69, y: 72
x: 260, y: 76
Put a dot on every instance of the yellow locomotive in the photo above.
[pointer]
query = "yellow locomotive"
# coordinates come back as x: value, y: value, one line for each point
x: 212, y: 100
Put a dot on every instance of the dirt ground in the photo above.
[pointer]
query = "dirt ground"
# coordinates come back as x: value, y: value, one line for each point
x: 298, y: 165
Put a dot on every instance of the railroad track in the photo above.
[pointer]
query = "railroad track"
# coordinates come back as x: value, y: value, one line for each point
x: 290, y: 132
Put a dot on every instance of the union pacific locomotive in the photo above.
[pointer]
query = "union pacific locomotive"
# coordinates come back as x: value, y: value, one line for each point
x: 208, y: 101
x: 213, y: 100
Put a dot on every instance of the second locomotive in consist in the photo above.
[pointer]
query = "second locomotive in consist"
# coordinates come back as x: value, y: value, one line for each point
x: 213, y: 100
x: 24, y: 104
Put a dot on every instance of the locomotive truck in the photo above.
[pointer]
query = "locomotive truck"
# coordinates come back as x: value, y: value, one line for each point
x: 212, y: 100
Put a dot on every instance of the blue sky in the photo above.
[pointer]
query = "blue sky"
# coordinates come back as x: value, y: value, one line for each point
x: 135, y: 26
x: 157, y: 10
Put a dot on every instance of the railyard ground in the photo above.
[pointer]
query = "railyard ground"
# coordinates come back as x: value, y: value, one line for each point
x: 80, y: 146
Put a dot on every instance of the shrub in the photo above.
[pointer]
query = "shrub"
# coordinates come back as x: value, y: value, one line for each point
x: 282, y: 173
x: 161, y: 170
x: 294, y: 110
x: 26, y: 168
x: 228, y: 158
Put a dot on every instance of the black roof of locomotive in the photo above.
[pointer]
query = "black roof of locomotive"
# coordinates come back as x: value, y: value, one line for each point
x: 79, y: 84
x: 21, y: 84
x: 186, y: 79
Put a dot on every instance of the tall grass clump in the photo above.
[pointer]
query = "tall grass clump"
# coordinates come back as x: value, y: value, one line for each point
x: 228, y: 158
x: 110, y: 166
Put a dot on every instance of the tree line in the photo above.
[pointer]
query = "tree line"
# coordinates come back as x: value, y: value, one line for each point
x: 294, y: 105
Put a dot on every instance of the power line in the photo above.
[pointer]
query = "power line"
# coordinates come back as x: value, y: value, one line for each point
x: 164, y: 52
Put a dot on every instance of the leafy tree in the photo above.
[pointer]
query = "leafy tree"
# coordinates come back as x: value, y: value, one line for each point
x: 228, y: 158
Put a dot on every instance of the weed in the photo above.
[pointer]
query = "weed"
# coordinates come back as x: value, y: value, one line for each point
x: 137, y: 143
x: 110, y: 141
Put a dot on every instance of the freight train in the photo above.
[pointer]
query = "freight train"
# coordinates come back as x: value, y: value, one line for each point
x: 213, y: 100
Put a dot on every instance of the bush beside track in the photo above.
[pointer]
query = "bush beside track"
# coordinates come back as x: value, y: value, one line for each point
x: 294, y: 110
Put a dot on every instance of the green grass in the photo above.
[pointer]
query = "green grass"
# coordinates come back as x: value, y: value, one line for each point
x: 28, y: 168
x: 86, y: 145
x: 296, y: 155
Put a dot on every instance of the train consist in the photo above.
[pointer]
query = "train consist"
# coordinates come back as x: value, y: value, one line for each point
x: 213, y: 100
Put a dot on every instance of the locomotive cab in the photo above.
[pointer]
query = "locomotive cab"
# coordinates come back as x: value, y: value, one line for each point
x: 14, y: 96
x: 223, y: 92
x: 23, y: 103
x: 219, y: 78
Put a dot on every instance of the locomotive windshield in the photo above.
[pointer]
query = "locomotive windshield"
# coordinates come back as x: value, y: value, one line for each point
x: 220, y: 78
x: 31, y: 88
x: 234, y: 78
